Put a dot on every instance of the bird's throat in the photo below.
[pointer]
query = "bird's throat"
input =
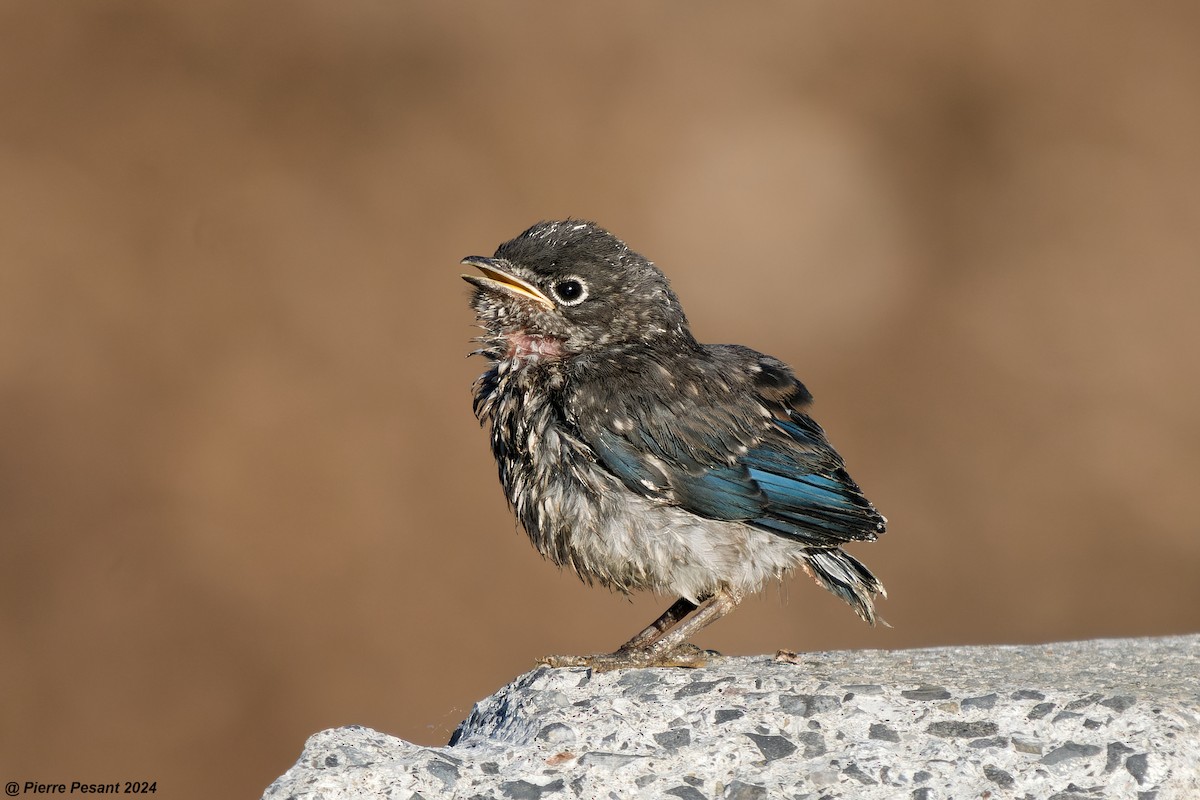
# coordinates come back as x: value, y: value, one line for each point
x: 533, y: 346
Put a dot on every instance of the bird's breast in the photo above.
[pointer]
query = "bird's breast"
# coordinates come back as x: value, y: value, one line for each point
x: 549, y: 475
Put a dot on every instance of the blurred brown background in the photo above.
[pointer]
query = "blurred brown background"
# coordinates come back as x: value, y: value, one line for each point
x: 242, y: 494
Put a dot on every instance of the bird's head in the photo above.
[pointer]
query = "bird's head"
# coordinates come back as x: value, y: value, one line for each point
x: 569, y: 288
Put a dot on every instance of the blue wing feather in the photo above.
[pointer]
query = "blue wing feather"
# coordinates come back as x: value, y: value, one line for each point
x: 789, y: 491
x: 627, y: 463
x: 724, y: 493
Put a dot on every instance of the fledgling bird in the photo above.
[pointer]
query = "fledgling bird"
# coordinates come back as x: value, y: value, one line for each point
x: 642, y: 459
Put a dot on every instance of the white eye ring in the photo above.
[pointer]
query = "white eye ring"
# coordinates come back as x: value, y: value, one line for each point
x: 569, y: 291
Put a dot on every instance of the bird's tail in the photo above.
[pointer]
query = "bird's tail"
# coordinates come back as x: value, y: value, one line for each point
x: 845, y: 576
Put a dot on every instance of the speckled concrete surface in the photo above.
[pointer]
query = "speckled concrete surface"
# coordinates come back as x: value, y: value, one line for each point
x: 1099, y: 719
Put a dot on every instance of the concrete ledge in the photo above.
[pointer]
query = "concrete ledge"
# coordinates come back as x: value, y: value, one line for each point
x: 1098, y: 719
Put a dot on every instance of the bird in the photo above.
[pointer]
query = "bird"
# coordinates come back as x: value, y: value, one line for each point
x: 642, y: 459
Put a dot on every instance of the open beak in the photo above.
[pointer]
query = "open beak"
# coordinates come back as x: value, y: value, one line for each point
x: 495, y: 278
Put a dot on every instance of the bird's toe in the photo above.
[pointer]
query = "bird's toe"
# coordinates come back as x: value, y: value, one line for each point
x: 684, y: 656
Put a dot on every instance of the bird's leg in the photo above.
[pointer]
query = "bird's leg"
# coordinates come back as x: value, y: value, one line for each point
x: 638, y: 651
x: 664, y: 643
x: 723, y: 601
x: 680, y: 609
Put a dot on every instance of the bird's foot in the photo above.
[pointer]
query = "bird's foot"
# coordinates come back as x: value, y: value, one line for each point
x: 685, y: 655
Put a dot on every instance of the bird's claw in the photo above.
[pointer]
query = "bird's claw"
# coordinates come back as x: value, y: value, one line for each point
x: 685, y: 655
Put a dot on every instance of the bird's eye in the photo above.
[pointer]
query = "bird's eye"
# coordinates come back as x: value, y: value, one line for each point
x: 569, y: 291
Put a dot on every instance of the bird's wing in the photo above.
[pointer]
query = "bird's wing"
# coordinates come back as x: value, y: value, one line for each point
x: 730, y: 450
